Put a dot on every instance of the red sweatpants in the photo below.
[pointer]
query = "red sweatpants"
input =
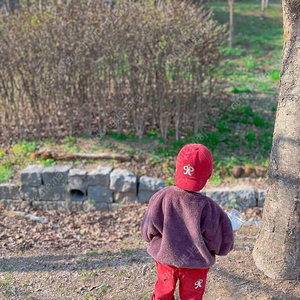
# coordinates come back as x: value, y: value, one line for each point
x: 191, y: 283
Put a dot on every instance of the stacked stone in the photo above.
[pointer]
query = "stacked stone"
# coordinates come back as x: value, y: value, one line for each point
x: 62, y: 188
x: 124, y: 185
x: 99, y: 194
x: 10, y: 197
x: 48, y: 187
x: 261, y: 196
x: 31, y: 181
x: 148, y: 186
x: 240, y: 197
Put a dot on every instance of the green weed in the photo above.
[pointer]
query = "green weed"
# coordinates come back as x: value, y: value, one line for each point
x: 93, y: 254
x: 74, y: 149
x: 250, y: 136
x: 8, y: 293
x: 49, y: 142
x: 94, y: 149
x: 29, y: 147
x: 68, y: 144
x: 215, y: 179
x: 6, y: 171
x: 89, y: 296
x: 250, y: 63
x: 48, y: 162
x: 105, y: 146
x: 6, y: 280
x: 152, y: 132
x: 69, y: 140
x: 118, y: 137
x: 223, y: 127
x: 236, y: 51
x: 105, y: 288
x: 85, y: 136
x: 275, y: 75
x: 126, y: 252
x: 232, y: 201
x: 130, y: 151
x: 155, y: 159
x: 258, y: 121
x: 243, y: 88
x: 21, y: 152
x: 169, y: 181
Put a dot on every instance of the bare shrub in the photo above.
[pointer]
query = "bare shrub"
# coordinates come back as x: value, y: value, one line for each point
x: 70, y: 69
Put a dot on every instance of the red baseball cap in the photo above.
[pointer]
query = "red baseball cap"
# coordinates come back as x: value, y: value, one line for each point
x: 194, y: 166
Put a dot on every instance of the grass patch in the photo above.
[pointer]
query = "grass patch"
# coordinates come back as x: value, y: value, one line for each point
x: 105, y: 288
x: 6, y: 171
x: 7, y: 293
x: 258, y: 46
x: 6, y: 280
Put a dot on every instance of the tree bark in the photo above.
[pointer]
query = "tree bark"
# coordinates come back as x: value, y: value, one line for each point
x: 266, y: 3
x: 263, y: 8
x: 277, y: 250
x: 231, y: 23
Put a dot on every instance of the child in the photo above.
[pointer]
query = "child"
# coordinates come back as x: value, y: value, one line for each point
x: 185, y: 230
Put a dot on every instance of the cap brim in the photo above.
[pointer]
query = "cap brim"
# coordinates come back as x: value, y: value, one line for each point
x: 191, y: 185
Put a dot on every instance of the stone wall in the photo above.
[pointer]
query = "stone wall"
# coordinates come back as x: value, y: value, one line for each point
x: 240, y: 197
x: 64, y: 188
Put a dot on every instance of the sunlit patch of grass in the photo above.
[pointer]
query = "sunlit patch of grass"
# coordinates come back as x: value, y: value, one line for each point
x: 258, y: 45
x: 6, y: 171
x: 215, y: 179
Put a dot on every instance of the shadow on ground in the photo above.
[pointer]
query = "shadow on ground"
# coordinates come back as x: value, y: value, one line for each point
x: 88, y: 261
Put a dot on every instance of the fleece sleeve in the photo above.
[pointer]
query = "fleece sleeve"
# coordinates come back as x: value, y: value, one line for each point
x: 149, y: 222
x: 217, y: 230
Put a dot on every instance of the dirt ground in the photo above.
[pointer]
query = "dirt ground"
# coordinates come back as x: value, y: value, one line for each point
x: 102, y: 256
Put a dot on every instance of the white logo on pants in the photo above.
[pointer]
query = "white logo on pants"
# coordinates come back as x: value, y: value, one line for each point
x: 198, y: 284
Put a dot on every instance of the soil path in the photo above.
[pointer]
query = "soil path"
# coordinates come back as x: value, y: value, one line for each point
x: 101, y: 256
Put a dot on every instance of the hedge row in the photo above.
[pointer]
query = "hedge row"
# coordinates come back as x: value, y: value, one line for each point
x: 84, y: 67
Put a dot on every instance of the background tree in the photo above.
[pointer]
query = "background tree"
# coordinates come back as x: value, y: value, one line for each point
x: 277, y: 250
x: 264, y: 5
x: 231, y: 23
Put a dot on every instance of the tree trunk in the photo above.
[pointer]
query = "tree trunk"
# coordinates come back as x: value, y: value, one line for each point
x: 263, y: 8
x: 231, y: 23
x: 266, y: 3
x: 277, y: 250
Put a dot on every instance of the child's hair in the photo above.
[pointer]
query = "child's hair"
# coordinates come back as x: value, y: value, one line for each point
x: 194, y: 166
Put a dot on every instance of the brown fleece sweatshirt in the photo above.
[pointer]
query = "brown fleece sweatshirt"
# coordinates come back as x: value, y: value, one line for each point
x: 186, y: 229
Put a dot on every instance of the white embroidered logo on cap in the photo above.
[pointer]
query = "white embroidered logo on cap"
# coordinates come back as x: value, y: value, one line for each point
x: 188, y: 170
